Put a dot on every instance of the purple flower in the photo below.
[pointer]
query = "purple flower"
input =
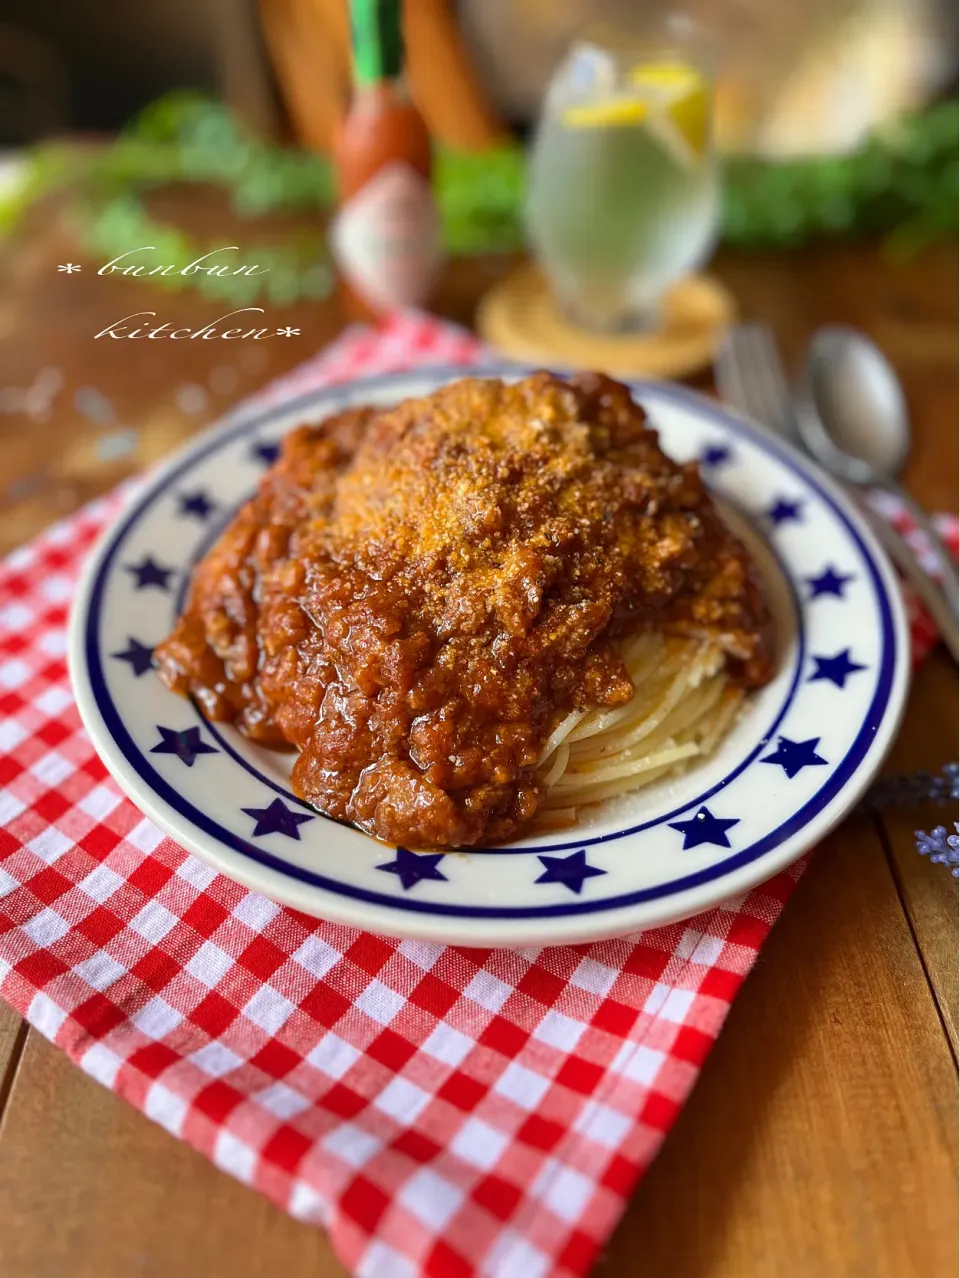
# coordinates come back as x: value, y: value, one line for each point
x: 942, y: 848
x: 914, y: 788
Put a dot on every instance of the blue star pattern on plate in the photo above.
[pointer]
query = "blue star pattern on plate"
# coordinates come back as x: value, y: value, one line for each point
x: 829, y: 582
x: 794, y: 756
x: 137, y: 655
x: 149, y: 573
x: 836, y: 669
x: 276, y: 818
x: 715, y: 455
x: 197, y: 504
x: 784, y: 511
x: 572, y: 871
x: 704, y: 827
x: 264, y: 453
x: 411, y: 867
x: 186, y: 745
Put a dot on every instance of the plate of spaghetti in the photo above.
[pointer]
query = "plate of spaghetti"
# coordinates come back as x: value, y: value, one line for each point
x: 498, y: 659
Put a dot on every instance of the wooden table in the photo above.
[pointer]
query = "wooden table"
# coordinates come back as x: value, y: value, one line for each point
x: 821, y: 1137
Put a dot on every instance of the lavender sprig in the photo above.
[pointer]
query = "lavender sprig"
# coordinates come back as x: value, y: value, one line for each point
x: 914, y: 788
x: 940, y: 847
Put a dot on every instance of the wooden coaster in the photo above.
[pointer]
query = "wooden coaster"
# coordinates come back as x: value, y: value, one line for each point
x: 519, y: 317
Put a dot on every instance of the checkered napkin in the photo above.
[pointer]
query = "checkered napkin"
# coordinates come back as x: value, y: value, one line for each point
x: 441, y: 1111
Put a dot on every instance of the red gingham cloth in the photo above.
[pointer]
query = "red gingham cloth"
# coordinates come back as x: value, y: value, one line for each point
x: 442, y: 1111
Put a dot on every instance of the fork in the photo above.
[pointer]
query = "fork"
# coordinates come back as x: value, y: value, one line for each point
x: 750, y: 377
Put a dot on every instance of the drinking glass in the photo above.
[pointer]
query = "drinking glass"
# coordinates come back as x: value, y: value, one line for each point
x: 622, y: 194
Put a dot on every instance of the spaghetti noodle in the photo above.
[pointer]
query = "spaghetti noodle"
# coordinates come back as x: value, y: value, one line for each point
x: 683, y: 704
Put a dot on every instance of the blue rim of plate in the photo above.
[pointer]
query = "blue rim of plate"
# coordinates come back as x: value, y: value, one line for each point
x: 312, y: 401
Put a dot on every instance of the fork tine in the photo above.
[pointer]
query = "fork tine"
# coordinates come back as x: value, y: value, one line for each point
x: 750, y: 377
x: 769, y: 388
x: 770, y: 369
x: 728, y: 372
x: 736, y: 374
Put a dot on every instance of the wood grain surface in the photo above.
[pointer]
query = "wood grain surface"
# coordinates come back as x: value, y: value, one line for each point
x: 820, y: 1139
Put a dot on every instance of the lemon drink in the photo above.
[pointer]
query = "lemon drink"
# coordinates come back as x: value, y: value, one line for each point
x: 622, y: 197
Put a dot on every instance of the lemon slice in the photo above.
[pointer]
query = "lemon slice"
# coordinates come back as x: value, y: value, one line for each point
x: 671, y: 78
x: 681, y: 92
x: 614, y: 113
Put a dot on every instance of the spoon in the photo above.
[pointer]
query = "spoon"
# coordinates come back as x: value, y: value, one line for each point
x: 852, y: 417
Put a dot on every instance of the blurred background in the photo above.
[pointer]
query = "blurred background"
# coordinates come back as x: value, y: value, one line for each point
x: 187, y: 124
x: 793, y: 77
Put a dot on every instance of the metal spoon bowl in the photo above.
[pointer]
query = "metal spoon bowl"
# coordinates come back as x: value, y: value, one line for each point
x: 852, y: 417
x: 856, y: 413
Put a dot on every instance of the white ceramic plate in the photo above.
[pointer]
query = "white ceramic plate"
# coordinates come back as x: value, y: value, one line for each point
x: 795, y: 762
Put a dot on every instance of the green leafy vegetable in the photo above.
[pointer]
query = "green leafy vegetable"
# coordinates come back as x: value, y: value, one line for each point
x: 903, y: 183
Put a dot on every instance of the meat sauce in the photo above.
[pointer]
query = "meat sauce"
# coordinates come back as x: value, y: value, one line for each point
x: 416, y: 596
